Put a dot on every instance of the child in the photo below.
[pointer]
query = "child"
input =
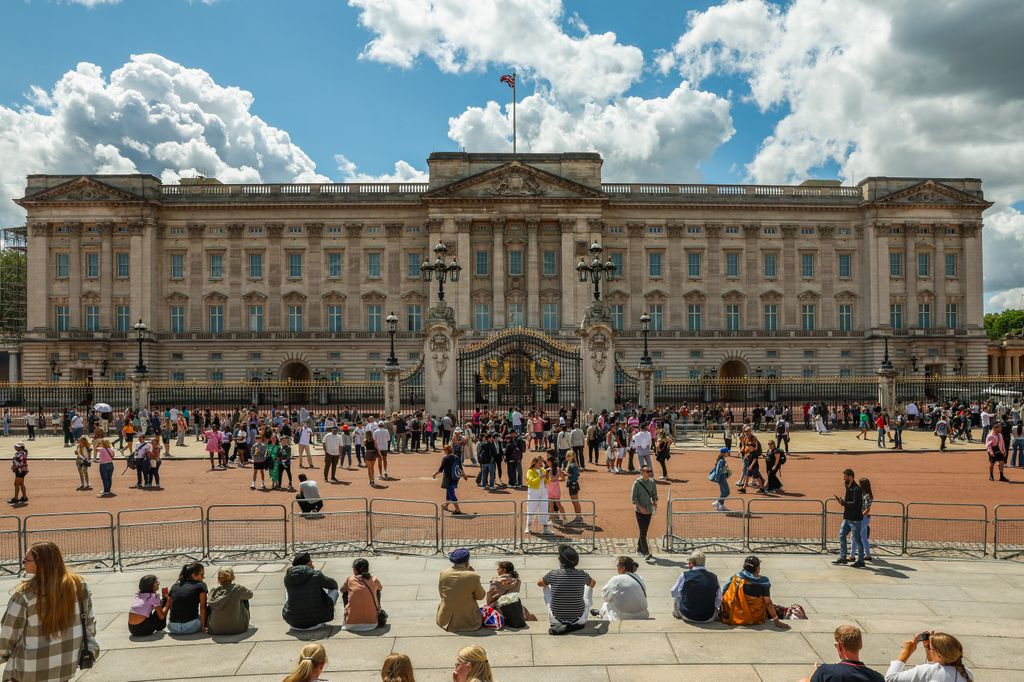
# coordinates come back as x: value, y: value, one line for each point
x: 148, y: 613
x: 720, y: 475
x: 554, y: 488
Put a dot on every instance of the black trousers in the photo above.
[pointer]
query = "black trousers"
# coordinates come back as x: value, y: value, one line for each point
x: 307, y: 507
x: 643, y: 522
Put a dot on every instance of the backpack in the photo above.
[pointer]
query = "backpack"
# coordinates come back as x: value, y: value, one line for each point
x: 457, y: 472
x: 782, y: 456
x: 780, y: 428
x: 738, y: 608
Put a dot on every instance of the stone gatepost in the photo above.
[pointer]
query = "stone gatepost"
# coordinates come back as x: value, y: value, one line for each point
x: 140, y: 391
x: 440, y: 361
x: 597, y: 352
x: 645, y: 385
x: 392, y: 399
x: 887, y: 382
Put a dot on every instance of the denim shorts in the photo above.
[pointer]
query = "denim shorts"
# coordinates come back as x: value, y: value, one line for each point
x: 187, y: 628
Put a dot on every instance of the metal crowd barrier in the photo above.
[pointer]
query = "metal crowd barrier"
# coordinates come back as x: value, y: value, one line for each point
x: 11, y: 550
x: 403, y: 525
x: 1008, y: 534
x: 946, y: 528
x: 482, y: 523
x: 887, y: 529
x: 251, y: 531
x: 340, y: 526
x: 692, y: 523
x: 160, y: 534
x: 579, y: 533
x: 83, y: 537
x: 793, y: 525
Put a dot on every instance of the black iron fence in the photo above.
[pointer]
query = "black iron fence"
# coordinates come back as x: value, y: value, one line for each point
x: 45, y: 397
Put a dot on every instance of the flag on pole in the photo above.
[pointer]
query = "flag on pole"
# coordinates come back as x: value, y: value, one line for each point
x: 510, y: 79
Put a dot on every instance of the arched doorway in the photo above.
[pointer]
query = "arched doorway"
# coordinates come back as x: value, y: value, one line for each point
x: 733, y: 388
x: 296, y: 371
x: 733, y: 369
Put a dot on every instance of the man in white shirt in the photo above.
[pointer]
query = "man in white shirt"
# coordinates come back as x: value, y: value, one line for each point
x: 517, y: 420
x: 303, y: 439
x: 309, y: 496
x: 359, y: 443
x: 577, y: 438
x: 382, y: 439
x: 332, y: 450
x: 642, y: 442
x: 986, y: 423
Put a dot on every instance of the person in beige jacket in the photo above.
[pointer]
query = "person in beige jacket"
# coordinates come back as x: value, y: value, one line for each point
x: 228, y: 606
x: 460, y: 590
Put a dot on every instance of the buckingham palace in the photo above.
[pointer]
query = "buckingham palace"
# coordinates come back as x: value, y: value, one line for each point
x: 236, y: 281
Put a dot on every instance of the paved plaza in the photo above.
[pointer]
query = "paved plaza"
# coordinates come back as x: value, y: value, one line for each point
x: 890, y: 600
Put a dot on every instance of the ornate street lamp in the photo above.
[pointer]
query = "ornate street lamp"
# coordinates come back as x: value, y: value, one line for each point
x: 595, y: 270
x: 103, y: 368
x: 316, y: 375
x: 140, y: 334
x: 959, y: 368
x: 54, y: 372
x: 913, y: 363
x: 645, y: 328
x: 392, y: 321
x: 440, y: 269
x: 269, y: 373
x: 714, y: 372
x: 886, y: 362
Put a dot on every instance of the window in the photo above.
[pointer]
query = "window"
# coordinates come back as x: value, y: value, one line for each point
x: 807, y: 231
x: 482, y: 316
x: 693, y: 315
x: 770, y: 263
x: 92, y: 265
x: 177, y: 265
x: 810, y: 353
x: 294, y: 229
x: 692, y: 229
x: 732, y: 264
x: 656, y: 311
x: 845, y: 317
x: 334, y: 265
x: 62, y: 265
x: 412, y: 264
x: 483, y: 264
x: 807, y: 265
x: 373, y: 318
x: 373, y: 375
x: 255, y: 265
x: 550, y: 263
x: 808, y: 372
x: 414, y: 317
x: 807, y: 316
x: 924, y: 315
x: 122, y: 318
x: 295, y: 265
x: 177, y: 319
x: 617, y: 259
x: 120, y: 376
x: 896, y: 315
x: 256, y: 318
x: 732, y: 317
x: 373, y: 265
x: 771, y: 354
x: 62, y: 318
x: 216, y: 318
x: 255, y: 355
x: 216, y: 357
x: 771, y: 317
x: 122, y: 265
x: 845, y: 354
x: 952, y: 315
x: 845, y: 372
x: 295, y: 318
x: 950, y: 265
x: 693, y: 264
x: 924, y: 263
x: 694, y: 374
x: 549, y: 316
x: 618, y: 316
x: 334, y: 318
x: 217, y: 375
x: 515, y: 263
x: 654, y: 263
x: 216, y: 265
x: 515, y: 315
x: 845, y: 265
x: 696, y: 354
x: 895, y: 264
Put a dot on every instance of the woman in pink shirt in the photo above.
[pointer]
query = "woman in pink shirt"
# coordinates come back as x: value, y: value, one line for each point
x: 106, y: 455
x: 212, y: 444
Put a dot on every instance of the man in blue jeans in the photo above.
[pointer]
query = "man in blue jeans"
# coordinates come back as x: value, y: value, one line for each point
x: 853, y: 515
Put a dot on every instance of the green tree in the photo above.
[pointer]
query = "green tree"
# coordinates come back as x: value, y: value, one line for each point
x: 999, y: 324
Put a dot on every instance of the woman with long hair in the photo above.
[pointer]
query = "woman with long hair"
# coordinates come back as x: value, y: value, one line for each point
x: 148, y: 612
x: 312, y: 659
x: 865, y: 525
x: 397, y: 668
x: 662, y: 451
x: 361, y: 595
x: 572, y: 482
x: 471, y: 665
x: 506, y: 582
x: 83, y: 460
x: 187, y: 601
x: 537, y: 494
x: 47, y: 619
x: 945, y: 660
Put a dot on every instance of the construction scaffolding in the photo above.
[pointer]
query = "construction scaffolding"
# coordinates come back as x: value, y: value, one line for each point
x: 13, y: 282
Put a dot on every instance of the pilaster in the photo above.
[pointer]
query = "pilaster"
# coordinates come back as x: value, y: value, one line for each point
x: 500, y: 273
x: 533, y: 267
x: 597, y: 352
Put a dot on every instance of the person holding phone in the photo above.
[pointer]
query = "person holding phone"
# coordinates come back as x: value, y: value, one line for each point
x: 945, y: 660
x: 148, y: 613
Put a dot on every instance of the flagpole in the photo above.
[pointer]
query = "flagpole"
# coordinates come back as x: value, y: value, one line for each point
x: 513, y: 112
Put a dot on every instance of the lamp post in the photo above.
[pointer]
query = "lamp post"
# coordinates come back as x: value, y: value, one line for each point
x: 392, y: 321
x: 316, y: 375
x: 595, y: 270
x: 886, y: 362
x: 55, y: 374
x: 140, y: 334
x: 440, y: 269
x: 959, y: 368
x: 913, y: 363
x: 103, y: 368
x: 645, y: 328
x: 269, y: 373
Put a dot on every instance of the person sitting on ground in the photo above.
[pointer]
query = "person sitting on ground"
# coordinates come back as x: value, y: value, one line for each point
x: 397, y: 668
x: 312, y: 660
x: 361, y: 595
x: 228, y: 606
x: 309, y: 495
x: 697, y: 595
x: 311, y: 595
x: 471, y: 665
x: 460, y: 590
x: 849, y: 668
x: 568, y: 592
x: 187, y: 601
x: 625, y: 594
x: 507, y: 581
x: 945, y: 657
x: 746, y: 599
x: 148, y: 613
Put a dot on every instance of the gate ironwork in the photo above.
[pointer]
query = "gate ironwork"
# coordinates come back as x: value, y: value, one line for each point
x: 519, y: 368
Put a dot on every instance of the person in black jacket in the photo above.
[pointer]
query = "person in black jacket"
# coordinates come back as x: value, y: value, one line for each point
x: 310, y: 595
x: 853, y: 515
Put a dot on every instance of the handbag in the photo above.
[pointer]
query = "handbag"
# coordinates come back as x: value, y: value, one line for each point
x: 382, y: 615
x: 86, y: 659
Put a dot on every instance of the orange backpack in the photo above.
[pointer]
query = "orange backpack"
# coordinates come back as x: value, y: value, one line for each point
x: 740, y: 609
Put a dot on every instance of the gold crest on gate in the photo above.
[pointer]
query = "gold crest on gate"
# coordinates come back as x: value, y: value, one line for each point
x: 494, y: 374
x: 544, y: 373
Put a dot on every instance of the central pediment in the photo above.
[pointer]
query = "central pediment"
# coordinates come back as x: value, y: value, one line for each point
x: 931, y: 193
x: 514, y: 180
x: 82, y: 189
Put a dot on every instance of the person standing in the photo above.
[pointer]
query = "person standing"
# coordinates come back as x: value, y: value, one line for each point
x: 995, y: 445
x: 83, y: 460
x: 774, y: 458
x: 31, y: 421
x: 865, y: 525
x: 259, y: 462
x: 451, y: 471
x: 106, y: 453
x: 663, y: 451
x: 572, y: 482
x: 304, y: 438
x: 1017, y: 445
x: 899, y: 423
x: 942, y: 431
x: 720, y: 474
x: 641, y: 442
x: 853, y: 515
x: 346, y: 447
x: 578, y: 438
x: 382, y: 439
x: 19, y: 465
x: 645, y: 502
x: 537, y: 495
x: 141, y: 457
x: 332, y: 452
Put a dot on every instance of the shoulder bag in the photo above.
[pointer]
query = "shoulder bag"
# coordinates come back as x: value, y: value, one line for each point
x: 382, y: 615
x: 86, y: 659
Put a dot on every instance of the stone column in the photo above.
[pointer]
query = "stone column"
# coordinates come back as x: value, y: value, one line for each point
x: 196, y: 318
x: 939, y: 275
x: 636, y: 271
x: 275, y: 277
x: 971, y: 275
x: 440, y: 361
x: 887, y: 388
x: 751, y: 276
x: 106, y: 276
x: 140, y: 391
x: 910, y: 276
x: 39, y: 276
x: 500, y: 273
x: 714, y: 275
x: 645, y: 385
x: 878, y: 240
x: 789, y: 275
x: 532, y: 317
x: 458, y: 296
x: 352, y: 275
x: 235, y: 313
x: 314, y: 275
x: 597, y: 352
x: 135, y: 269
x: 76, y: 264
x: 828, y: 273
x: 393, y: 271
x: 12, y: 365
x: 392, y: 399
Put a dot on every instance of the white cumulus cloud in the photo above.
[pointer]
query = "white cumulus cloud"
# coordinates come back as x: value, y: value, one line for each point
x: 404, y: 172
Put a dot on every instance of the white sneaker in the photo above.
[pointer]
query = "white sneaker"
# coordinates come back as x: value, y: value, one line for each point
x: 723, y: 508
x: 716, y: 505
x: 253, y: 486
x: 526, y: 531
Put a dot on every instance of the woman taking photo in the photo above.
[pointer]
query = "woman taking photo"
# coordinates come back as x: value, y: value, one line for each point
x: 865, y: 525
x: 312, y: 659
x: 945, y: 660
x: 471, y: 665
x: 537, y: 495
x: 662, y: 452
x: 572, y: 483
x: 19, y: 465
x: 48, y: 619
x: 83, y: 460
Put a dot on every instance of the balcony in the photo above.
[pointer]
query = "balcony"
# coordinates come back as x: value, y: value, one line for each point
x: 732, y: 193
x: 288, y: 193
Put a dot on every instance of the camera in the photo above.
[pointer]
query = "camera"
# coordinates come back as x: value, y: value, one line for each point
x: 923, y: 637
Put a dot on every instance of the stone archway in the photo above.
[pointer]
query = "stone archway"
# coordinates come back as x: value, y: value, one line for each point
x: 296, y: 371
x: 733, y: 371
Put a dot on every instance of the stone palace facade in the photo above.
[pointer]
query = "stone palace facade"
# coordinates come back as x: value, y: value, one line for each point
x: 236, y: 280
